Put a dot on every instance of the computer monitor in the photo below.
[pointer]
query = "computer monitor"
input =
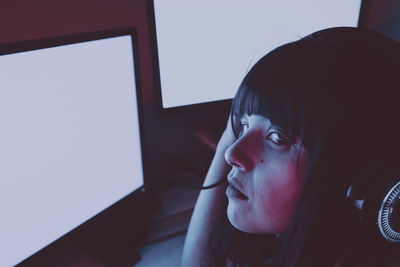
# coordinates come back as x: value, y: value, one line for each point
x: 70, y: 135
x: 204, y: 48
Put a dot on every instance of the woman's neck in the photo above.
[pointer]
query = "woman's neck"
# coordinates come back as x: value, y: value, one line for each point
x: 340, y: 261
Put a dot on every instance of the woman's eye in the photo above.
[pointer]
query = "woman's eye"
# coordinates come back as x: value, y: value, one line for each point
x: 278, y: 139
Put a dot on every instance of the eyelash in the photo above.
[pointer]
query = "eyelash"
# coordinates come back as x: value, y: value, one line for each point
x: 286, y: 141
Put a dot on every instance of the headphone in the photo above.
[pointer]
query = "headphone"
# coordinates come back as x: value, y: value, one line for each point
x: 377, y: 204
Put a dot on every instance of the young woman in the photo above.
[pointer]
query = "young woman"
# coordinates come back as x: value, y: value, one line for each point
x: 314, y: 124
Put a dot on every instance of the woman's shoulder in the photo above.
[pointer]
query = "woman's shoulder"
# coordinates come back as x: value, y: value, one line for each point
x: 395, y: 262
x: 392, y: 259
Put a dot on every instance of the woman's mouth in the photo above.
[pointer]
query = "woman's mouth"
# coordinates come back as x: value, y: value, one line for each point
x: 233, y: 192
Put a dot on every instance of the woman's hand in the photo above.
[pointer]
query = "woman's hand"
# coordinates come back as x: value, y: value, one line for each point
x: 227, y: 138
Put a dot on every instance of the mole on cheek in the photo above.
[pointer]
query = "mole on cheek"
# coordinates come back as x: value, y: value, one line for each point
x: 262, y: 161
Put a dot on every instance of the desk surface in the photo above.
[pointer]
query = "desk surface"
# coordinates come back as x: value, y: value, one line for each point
x: 166, y: 253
x: 164, y: 244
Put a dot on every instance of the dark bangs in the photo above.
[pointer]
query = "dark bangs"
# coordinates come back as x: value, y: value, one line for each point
x: 275, y: 88
x: 275, y: 104
x: 284, y: 85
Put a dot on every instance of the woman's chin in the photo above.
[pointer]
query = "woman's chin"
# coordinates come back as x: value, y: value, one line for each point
x: 242, y: 221
x: 236, y: 218
x: 239, y: 226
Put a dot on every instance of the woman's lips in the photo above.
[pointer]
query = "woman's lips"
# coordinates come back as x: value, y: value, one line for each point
x: 233, y: 192
x: 234, y: 189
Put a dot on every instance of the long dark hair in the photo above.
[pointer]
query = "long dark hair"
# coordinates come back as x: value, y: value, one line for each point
x: 336, y: 90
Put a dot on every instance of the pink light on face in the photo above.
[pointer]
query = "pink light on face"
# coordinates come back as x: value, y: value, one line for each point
x: 264, y: 169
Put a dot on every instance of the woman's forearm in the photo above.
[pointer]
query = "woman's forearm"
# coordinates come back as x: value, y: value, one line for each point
x: 209, y: 209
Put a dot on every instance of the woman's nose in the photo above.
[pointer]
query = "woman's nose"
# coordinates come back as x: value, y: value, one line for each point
x: 241, y: 154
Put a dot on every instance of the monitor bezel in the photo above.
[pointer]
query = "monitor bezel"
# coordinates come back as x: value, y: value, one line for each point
x: 362, y: 18
x: 206, y: 107
x: 132, y: 198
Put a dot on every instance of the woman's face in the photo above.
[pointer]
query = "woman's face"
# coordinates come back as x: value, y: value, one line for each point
x: 269, y: 172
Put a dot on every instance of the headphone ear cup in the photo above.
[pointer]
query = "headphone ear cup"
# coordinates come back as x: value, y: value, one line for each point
x: 389, y: 214
x: 376, y: 206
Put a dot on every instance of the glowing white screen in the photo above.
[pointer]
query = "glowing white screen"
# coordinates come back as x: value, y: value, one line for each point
x: 206, y: 47
x: 69, y: 140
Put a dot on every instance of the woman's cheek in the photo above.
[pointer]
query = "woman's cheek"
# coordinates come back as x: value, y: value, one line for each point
x: 279, y: 193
